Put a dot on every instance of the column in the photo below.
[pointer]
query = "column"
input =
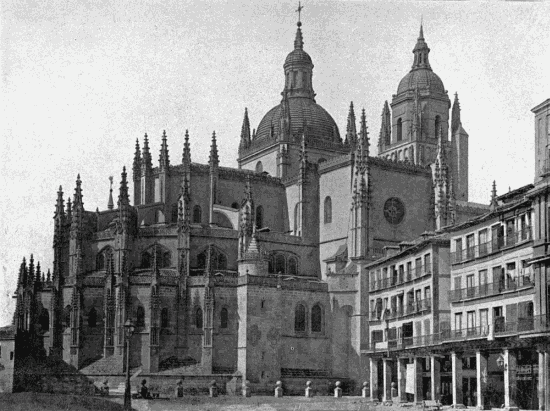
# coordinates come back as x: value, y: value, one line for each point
x: 510, y: 380
x: 482, y: 374
x: 435, y: 370
x: 458, y: 400
x: 387, y: 363
x: 402, y: 379
x: 374, y: 379
x: 418, y: 380
x: 546, y: 370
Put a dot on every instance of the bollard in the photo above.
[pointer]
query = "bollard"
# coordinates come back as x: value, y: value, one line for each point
x: 279, y: 389
x: 246, y: 389
x: 179, y: 389
x: 213, y: 389
x: 365, y: 391
x: 338, y: 390
x: 309, y: 390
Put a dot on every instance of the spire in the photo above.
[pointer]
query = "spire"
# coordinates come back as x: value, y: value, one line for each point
x: 24, y: 272
x: 164, y: 160
x: 123, y: 197
x: 421, y: 52
x: 214, y: 159
x: 111, y: 204
x: 494, y: 204
x: 136, y: 168
x: 299, y: 42
x: 146, y: 162
x: 351, y: 130
x: 364, y: 136
x: 186, y: 157
x: 48, y: 276
x: 59, y: 211
x: 31, y: 270
x: 69, y: 209
x: 385, y: 128
x: 245, y: 132
x: 38, y: 276
x: 78, y: 204
x: 455, y: 115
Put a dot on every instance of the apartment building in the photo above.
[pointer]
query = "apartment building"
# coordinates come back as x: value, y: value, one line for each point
x: 492, y: 302
x: 408, y: 309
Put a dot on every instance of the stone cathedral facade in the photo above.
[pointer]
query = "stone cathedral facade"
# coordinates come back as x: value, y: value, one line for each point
x: 257, y: 269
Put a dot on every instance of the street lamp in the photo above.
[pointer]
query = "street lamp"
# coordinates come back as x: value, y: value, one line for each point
x: 128, y: 331
x: 500, y: 363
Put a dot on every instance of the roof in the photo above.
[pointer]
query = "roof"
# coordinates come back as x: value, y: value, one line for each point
x: 423, y: 78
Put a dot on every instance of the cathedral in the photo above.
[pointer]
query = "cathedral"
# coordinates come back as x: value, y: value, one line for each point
x: 257, y: 270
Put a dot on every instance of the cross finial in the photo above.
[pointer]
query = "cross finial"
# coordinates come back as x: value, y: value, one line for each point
x: 299, y: 11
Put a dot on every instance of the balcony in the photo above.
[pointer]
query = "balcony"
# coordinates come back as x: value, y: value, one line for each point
x: 466, y: 334
x: 509, y: 284
x: 499, y: 243
x: 403, y: 343
x: 398, y: 278
x: 535, y: 324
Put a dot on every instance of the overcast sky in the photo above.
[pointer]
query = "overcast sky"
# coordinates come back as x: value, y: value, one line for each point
x: 81, y: 80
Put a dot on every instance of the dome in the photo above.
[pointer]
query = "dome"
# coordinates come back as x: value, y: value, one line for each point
x: 423, y: 78
x: 320, y: 124
x: 298, y: 57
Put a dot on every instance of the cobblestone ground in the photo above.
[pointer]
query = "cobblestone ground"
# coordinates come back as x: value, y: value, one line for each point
x: 226, y: 403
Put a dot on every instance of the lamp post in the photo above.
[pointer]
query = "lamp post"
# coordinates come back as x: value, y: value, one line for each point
x: 128, y: 331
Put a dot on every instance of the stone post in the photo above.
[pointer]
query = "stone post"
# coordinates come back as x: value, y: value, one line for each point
x: 458, y: 399
x: 365, y: 390
x: 309, y: 390
x: 213, y: 391
x: 179, y: 389
x: 246, y: 388
x: 387, y: 380
x: 373, y: 379
x: 338, y: 390
x: 482, y: 375
x: 510, y: 380
x: 435, y: 370
x: 418, y: 380
x: 279, y: 389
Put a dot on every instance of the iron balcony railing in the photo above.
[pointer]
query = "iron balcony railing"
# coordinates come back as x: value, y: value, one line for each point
x: 415, y: 307
x: 529, y: 325
x: 401, y: 277
x: 483, y: 290
x: 483, y: 249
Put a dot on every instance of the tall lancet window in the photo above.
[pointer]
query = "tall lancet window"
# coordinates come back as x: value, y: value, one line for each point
x: 399, y: 129
x: 437, y: 124
x: 328, y: 210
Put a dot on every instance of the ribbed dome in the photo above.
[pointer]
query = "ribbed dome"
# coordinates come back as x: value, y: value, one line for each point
x: 298, y: 57
x: 320, y: 123
x: 424, y: 79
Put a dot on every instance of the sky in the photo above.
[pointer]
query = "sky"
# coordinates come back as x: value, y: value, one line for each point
x: 82, y: 80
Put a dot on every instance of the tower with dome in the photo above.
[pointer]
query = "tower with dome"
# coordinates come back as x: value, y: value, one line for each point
x: 255, y: 272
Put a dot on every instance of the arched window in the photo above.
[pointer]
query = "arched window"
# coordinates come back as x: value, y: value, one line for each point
x: 437, y: 124
x: 297, y: 219
x: 92, y: 318
x: 198, y: 318
x: 328, y: 210
x: 300, y: 318
x: 140, y: 317
x: 222, y: 262
x: 218, y: 259
x: 164, y: 318
x: 280, y: 264
x: 201, y: 260
x: 145, y: 260
x: 100, y: 261
x: 406, y: 155
x: 44, y: 320
x: 224, y: 317
x: 317, y: 319
x: 399, y: 129
x: 271, y: 265
x: 259, y: 217
x: 259, y: 167
x: 175, y: 210
x: 197, y: 214
x: 292, y: 266
x: 67, y: 316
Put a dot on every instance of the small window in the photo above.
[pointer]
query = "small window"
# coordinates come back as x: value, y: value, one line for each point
x: 164, y: 318
x: 259, y: 167
x: 197, y: 215
x: 292, y: 266
x: 300, y: 318
x: 259, y: 217
x: 437, y: 125
x: 316, y: 318
x: 145, y: 260
x: 44, y: 320
x: 140, y: 317
x: 198, y: 318
x: 328, y: 210
x: 280, y: 264
x: 399, y: 129
x: 224, y: 317
x: 92, y: 318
